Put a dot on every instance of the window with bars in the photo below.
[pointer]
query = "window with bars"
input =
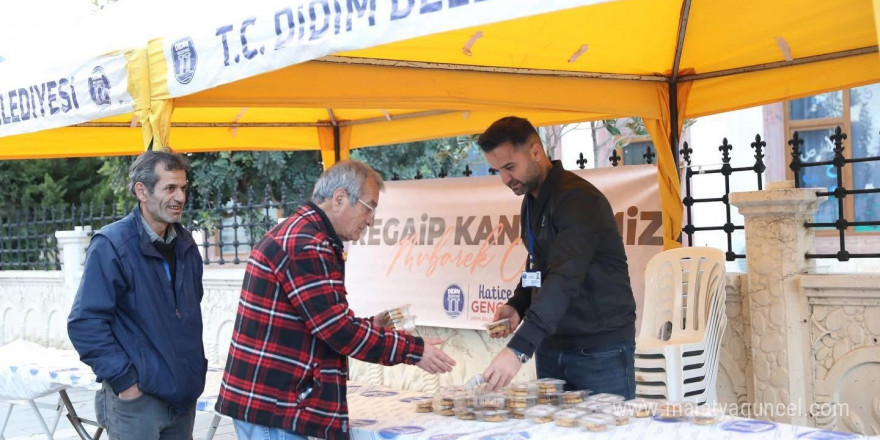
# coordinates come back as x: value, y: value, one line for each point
x: 857, y: 112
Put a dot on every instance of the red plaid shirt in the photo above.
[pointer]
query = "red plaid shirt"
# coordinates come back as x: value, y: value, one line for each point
x: 287, y: 364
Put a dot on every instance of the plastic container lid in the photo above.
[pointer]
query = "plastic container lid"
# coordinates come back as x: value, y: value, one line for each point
x: 607, y: 397
x: 476, y: 382
x: 593, y: 406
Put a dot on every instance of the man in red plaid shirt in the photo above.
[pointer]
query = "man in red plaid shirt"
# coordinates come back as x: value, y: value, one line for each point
x: 286, y: 372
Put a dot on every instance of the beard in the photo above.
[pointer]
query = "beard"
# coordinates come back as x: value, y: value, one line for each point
x: 520, y: 187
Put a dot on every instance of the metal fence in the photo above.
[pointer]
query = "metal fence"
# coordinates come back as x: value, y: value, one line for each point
x: 838, y: 193
x: 727, y: 171
x: 27, y: 237
x: 227, y: 230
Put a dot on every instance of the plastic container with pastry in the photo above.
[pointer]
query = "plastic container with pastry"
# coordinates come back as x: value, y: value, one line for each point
x: 522, y: 389
x: 597, y: 422
x: 521, y: 402
x: 640, y: 407
x: 498, y: 327
x: 540, y: 413
x: 396, y: 313
x: 606, y: 397
x: 550, y: 385
x: 424, y: 406
x: 493, y: 415
x: 490, y: 401
x: 620, y: 414
x: 573, y: 397
x: 707, y: 415
x: 568, y: 418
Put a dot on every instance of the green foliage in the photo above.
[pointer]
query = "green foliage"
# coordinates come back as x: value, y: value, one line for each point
x: 46, y: 183
x: 223, y: 175
x: 427, y: 157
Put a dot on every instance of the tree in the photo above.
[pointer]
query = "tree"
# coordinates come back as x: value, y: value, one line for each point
x: 428, y: 158
x: 46, y: 183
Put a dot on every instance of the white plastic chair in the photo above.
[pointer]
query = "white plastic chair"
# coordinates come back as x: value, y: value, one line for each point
x: 682, y: 324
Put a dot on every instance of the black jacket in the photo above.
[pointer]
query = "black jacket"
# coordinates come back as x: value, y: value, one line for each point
x: 585, y: 300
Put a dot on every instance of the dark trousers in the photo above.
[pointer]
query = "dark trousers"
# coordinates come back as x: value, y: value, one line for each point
x: 144, y: 418
x: 602, y: 370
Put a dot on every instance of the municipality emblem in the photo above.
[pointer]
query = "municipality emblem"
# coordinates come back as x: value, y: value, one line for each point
x: 183, y: 53
x: 453, y: 301
x: 99, y: 87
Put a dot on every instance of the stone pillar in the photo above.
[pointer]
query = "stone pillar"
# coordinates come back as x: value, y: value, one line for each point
x: 73, y: 246
x: 776, y: 241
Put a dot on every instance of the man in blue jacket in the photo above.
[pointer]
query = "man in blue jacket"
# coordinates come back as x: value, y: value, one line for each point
x: 136, y: 318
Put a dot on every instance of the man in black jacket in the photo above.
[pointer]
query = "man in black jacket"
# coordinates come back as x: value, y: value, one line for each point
x: 574, y: 306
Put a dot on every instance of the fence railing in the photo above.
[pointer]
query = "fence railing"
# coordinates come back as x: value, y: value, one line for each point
x: 727, y: 171
x: 227, y: 230
x: 840, y: 192
x: 27, y: 237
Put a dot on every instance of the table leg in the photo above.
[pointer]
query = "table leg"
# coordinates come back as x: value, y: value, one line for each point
x: 77, y: 421
x: 213, y: 428
x: 43, y: 425
x: 5, y: 421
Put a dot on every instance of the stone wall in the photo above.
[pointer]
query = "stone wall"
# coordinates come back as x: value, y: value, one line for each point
x: 34, y: 306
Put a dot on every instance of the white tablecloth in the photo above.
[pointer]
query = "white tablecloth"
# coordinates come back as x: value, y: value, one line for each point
x: 378, y: 413
x: 29, y: 370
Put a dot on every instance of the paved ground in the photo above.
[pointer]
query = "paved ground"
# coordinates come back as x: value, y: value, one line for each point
x: 23, y: 424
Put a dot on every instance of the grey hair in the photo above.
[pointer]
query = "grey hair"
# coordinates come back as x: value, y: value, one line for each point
x: 349, y: 175
x: 143, y: 169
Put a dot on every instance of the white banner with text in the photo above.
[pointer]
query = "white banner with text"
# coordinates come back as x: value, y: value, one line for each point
x: 251, y: 38
x: 451, y: 247
x: 41, y: 100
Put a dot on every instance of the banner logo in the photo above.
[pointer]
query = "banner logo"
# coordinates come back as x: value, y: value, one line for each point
x: 453, y: 301
x: 99, y: 87
x: 183, y: 52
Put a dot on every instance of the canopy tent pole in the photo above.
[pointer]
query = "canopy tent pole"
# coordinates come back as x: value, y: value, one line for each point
x: 673, y: 122
x: 675, y: 131
x: 336, y: 142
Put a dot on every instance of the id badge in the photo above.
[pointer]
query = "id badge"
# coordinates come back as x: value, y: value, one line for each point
x: 531, y: 278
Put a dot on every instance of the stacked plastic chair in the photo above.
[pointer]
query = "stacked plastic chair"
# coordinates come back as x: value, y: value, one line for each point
x: 683, y: 320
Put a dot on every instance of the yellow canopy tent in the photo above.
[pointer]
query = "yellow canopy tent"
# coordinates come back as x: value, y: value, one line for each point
x: 663, y: 60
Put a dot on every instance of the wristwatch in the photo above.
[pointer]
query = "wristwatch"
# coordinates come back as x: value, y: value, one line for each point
x: 520, y: 355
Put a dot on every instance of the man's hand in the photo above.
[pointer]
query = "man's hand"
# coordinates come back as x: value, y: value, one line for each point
x: 435, y: 360
x: 133, y: 392
x: 501, y: 370
x: 379, y: 320
x: 513, y: 319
